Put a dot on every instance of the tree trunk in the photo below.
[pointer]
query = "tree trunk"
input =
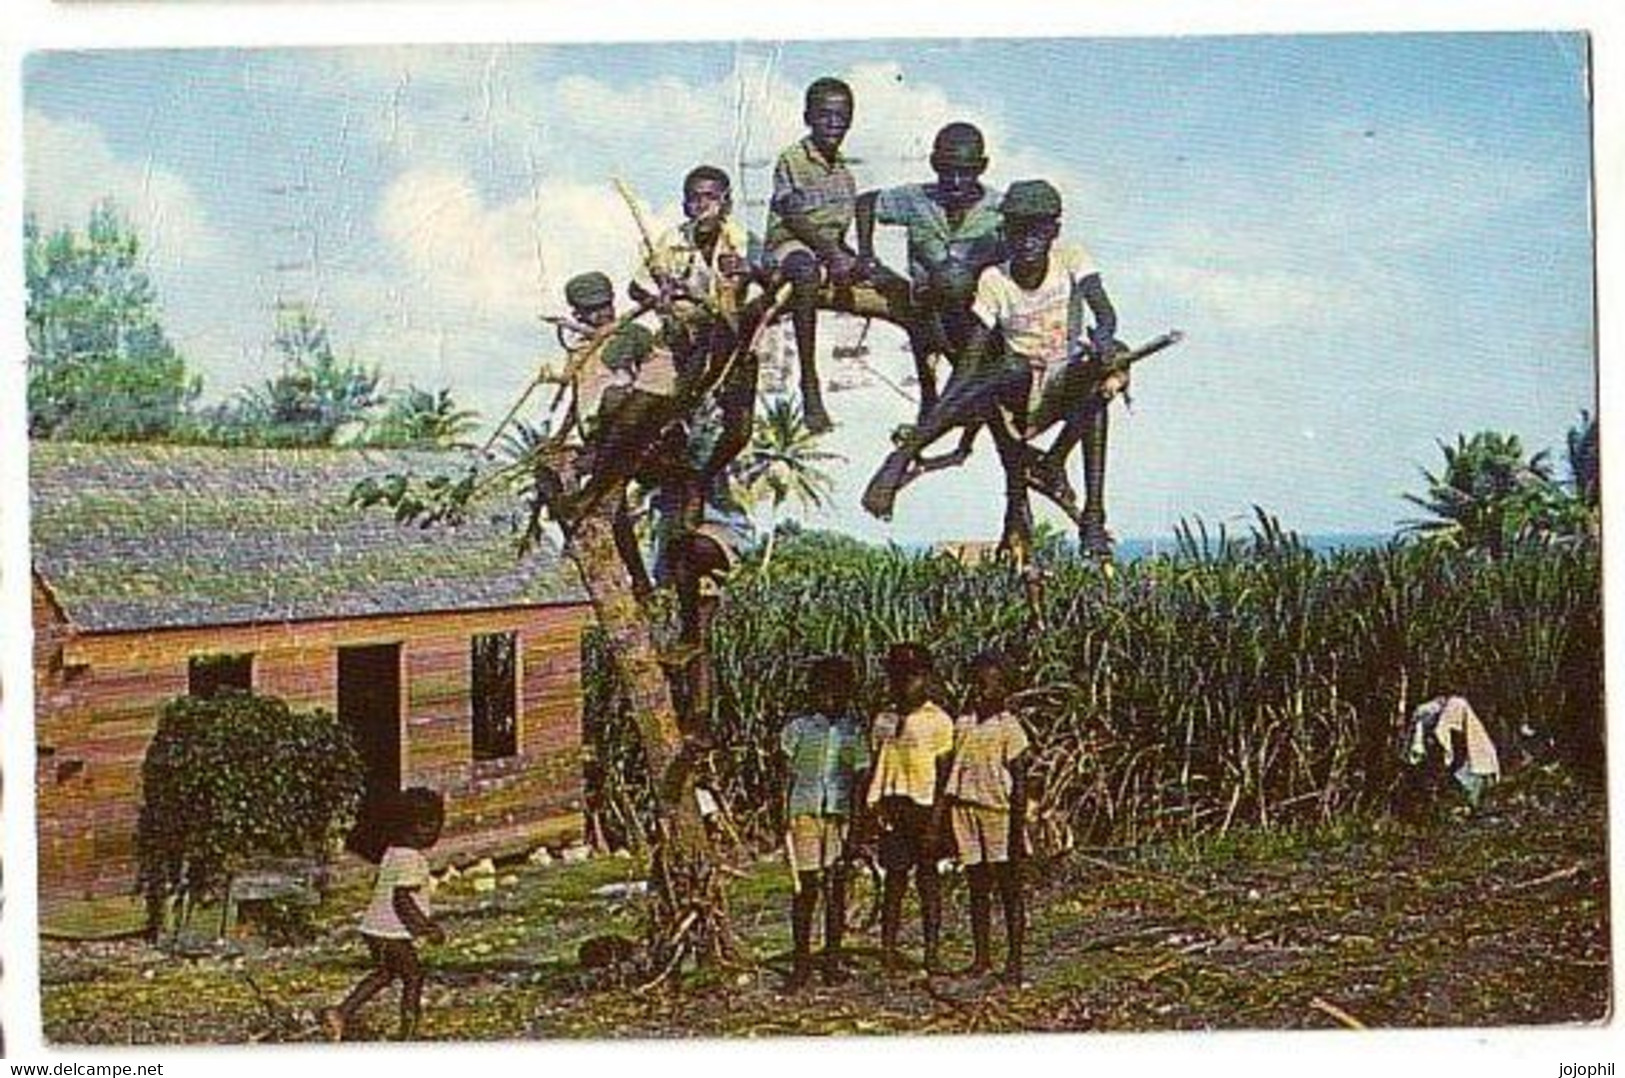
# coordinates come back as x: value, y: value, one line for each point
x: 692, y: 915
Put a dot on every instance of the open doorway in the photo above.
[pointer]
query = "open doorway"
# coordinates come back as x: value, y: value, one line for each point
x: 369, y: 703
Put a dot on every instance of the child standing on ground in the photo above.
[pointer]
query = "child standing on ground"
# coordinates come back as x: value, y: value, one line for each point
x: 828, y: 758
x: 913, y: 744
x: 987, y: 789
x: 398, y: 914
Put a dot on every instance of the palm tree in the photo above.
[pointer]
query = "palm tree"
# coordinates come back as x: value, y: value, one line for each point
x: 1488, y: 497
x: 423, y: 419
x: 1585, y: 467
x: 782, y: 463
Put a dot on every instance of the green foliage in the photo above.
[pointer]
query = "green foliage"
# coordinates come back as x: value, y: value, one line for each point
x: 782, y: 461
x: 1239, y: 680
x: 100, y: 367
x: 1490, y: 498
x: 316, y: 399
x: 236, y: 777
x: 421, y: 419
x: 1585, y: 461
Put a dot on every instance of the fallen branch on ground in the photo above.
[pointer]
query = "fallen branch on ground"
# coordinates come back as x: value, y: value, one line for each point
x: 1550, y: 877
x: 1343, y: 1017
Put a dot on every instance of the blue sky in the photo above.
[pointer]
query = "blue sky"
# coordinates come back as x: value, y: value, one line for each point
x: 1373, y: 242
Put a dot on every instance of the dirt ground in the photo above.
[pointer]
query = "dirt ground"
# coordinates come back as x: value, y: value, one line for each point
x: 1498, y: 920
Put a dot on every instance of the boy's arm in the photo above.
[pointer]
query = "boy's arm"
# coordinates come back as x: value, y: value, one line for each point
x: 861, y: 816
x: 641, y: 294
x: 939, y: 802
x: 1458, y: 750
x: 1018, y: 806
x: 412, y: 916
x: 863, y: 220
x: 1092, y: 291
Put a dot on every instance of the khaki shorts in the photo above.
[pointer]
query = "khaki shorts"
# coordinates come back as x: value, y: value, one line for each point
x: 816, y: 842
x: 982, y: 834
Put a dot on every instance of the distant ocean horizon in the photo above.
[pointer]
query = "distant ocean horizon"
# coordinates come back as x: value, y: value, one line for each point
x: 1135, y: 548
x: 1142, y: 547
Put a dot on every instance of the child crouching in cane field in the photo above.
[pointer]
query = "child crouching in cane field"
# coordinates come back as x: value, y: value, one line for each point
x: 398, y: 914
x: 827, y: 754
x: 987, y: 791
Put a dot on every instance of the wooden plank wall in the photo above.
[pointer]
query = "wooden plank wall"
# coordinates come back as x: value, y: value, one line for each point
x: 99, y: 698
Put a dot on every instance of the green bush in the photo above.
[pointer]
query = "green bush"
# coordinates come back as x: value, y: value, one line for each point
x: 239, y: 777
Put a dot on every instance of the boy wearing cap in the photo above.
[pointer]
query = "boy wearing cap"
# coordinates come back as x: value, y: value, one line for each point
x: 827, y: 755
x: 955, y: 230
x: 1034, y: 301
x: 987, y: 790
x: 624, y: 379
x: 811, y: 207
x: 623, y: 384
x: 912, y: 749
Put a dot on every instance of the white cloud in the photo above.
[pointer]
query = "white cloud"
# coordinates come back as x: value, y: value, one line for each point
x: 502, y: 261
x: 70, y: 167
x: 1251, y: 298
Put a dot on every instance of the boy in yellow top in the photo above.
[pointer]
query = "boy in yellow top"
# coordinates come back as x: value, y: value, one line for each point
x: 987, y: 789
x: 707, y: 260
x: 913, y: 745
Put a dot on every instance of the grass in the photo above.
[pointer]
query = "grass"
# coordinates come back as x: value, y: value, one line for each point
x: 1501, y: 919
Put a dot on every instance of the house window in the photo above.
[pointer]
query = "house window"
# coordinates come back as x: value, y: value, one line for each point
x: 495, y: 695
x: 207, y: 676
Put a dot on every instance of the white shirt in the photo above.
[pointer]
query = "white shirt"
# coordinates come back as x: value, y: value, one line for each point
x: 1455, y: 715
x: 1034, y: 321
x: 402, y: 866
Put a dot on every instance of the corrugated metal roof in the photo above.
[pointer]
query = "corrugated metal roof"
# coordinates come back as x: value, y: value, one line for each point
x: 141, y: 537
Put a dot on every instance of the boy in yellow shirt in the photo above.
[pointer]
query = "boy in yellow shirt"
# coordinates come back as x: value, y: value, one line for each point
x: 913, y: 745
x: 987, y: 789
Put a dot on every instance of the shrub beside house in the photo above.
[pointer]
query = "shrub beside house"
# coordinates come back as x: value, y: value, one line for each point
x: 164, y: 571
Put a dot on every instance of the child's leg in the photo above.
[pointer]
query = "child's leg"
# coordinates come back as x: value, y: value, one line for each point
x: 971, y: 397
x: 896, y: 858
x: 892, y: 892
x: 337, y: 1020
x: 979, y: 877
x: 925, y: 865
x: 834, y: 921
x: 802, y: 907
x: 801, y: 269
x: 1086, y: 423
x: 403, y: 956
x: 1008, y: 876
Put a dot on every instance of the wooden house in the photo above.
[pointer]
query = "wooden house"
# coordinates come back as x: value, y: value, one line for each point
x: 160, y: 571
